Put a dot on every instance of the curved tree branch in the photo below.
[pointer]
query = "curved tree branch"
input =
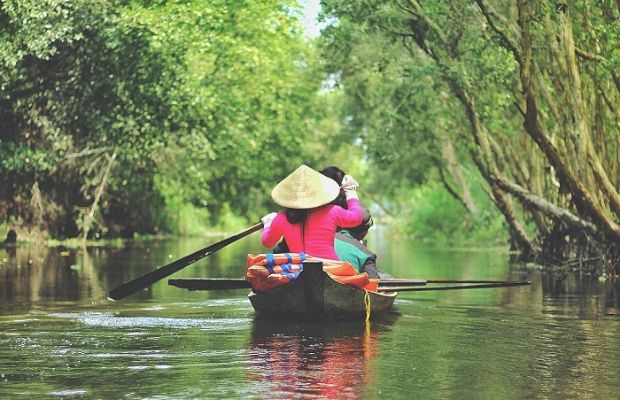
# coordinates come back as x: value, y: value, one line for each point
x: 538, y: 203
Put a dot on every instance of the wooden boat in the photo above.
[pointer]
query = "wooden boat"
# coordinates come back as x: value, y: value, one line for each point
x: 313, y: 295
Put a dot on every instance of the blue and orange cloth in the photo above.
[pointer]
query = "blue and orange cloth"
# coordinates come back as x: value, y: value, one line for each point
x: 268, y: 271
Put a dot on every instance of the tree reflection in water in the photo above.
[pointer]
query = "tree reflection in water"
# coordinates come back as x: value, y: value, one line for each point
x: 314, y: 359
x: 35, y: 275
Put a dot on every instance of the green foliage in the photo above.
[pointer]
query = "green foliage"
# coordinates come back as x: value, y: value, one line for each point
x: 402, y: 111
x: 205, y: 105
x: 434, y: 216
x: 385, y: 95
x: 517, y: 89
x: 72, y: 69
x: 21, y: 160
x: 252, y: 87
x: 79, y: 83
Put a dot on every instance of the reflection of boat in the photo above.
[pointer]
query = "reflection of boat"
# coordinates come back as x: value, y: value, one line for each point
x: 314, y: 359
x: 313, y: 295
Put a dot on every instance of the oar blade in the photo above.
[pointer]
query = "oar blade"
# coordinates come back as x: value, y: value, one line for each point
x: 160, y: 273
x: 149, y: 278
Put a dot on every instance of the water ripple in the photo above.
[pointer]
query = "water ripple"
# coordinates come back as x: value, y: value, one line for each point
x: 113, y: 321
x: 68, y: 393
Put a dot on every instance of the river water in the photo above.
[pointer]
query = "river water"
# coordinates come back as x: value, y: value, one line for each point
x: 61, y: 338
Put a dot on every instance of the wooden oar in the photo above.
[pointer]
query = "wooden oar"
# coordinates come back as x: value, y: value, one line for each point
x: 389, y: 286
x: 149, y: 278
x: 412, y: 288
x: 402, y: 282
x: 422, y: 282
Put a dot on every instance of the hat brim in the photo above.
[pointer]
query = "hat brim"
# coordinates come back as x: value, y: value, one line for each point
x: 305, y: 188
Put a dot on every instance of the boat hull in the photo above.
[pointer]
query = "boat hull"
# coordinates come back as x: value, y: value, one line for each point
x: 314, y: 295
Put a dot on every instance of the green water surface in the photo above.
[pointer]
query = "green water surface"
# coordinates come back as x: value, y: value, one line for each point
x: 61, y: 338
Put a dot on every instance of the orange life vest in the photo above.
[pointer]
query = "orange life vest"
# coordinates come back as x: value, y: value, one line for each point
x: 268, y: 271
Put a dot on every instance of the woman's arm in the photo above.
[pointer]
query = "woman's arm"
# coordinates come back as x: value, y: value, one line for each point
x: 351, y: 217
x: 272, y: 234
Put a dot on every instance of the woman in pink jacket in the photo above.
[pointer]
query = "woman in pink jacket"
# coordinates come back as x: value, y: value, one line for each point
x: 309, y: 222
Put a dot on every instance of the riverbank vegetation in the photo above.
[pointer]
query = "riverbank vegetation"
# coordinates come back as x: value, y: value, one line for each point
x: 523, y: 94
x: 124, y: 117
x: 486, y: 120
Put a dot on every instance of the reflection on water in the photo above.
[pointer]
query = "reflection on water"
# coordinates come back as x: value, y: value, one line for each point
x: 38, y: 275
x: 315, y: 360
x: 61, y: 338
x: 585, y: 298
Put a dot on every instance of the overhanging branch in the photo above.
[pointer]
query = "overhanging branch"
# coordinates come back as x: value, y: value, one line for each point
x: 546, y: 207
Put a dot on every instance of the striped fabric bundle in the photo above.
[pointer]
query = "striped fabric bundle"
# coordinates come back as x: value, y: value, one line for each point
x: 268, y: 271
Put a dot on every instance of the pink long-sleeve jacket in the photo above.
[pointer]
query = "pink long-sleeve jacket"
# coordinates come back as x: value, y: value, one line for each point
x: 315, y: 236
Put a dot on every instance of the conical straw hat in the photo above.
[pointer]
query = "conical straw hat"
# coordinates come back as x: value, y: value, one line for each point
x: 305, y: 188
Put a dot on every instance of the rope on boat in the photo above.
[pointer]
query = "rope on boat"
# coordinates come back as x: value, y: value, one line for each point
x: 367, y: 343
x: 367, y: 304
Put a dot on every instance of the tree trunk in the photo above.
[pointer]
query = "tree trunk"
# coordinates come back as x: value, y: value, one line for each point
x: 581, y: 197
x: 449, y: 155
x: 88, y: 220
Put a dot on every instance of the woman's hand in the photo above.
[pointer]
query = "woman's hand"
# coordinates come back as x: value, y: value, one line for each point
x: 268, y: 219
x: 350, y: 186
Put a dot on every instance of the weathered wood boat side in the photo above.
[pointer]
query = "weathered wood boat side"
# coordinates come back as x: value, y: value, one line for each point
x: 315, y: 295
